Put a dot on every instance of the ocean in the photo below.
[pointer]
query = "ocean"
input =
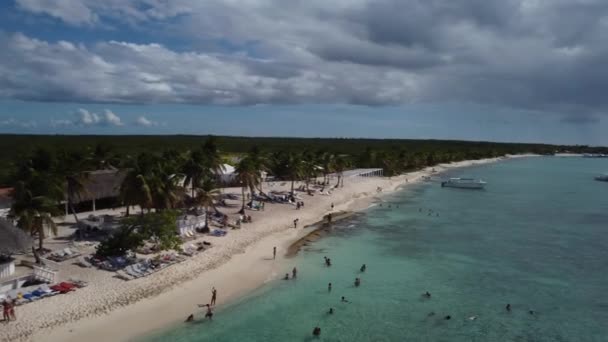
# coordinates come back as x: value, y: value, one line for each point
x: 536, y: 238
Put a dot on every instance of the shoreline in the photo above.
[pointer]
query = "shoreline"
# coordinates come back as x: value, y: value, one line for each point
x: 236, y: 265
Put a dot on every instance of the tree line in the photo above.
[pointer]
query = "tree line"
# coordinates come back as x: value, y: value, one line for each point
x: 169, y: 179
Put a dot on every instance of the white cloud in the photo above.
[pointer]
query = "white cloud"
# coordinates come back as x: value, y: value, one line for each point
x: 87, y: 118
x: 112, y: 119
x: 379, y: 52
x: 73, y: 12
x: 143, y: 121
x: 12, y: 122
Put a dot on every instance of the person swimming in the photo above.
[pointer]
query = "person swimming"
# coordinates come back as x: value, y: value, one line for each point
x: 344, y: 300
x: 431, y: 314
x: 209, y: 313
x: 448, y: 317
x: 316, y: 331
x: 363, y: 268
x: 427, y: 294
x: 357, y: 282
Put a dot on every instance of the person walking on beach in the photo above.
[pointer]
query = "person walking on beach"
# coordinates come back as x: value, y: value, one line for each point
x: 274, y: 252
x: 11, y: 308
x: 332, y: 206
x: 6, y: 309
x: 294, y: 273
x: 213, y: 296
x: 295, y: 223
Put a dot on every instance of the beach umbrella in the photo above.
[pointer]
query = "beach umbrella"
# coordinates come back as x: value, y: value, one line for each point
x: 13, y: 239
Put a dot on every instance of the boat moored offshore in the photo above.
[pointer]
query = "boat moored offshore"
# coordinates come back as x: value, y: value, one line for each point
x: 465, y: 183
x: 602, y: 178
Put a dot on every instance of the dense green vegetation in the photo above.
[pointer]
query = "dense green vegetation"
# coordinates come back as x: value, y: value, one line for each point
x: 16, y: 147
x: 158, y: 228
x: 169, y: 173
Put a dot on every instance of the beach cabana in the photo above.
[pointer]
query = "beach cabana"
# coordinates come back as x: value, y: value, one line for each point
x: 227, y: 174
x: 12, y: 240
x: 99, y: 185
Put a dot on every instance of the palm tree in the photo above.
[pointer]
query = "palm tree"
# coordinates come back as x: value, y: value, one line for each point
x: 293, y: 168
x: 327, y: 163
x: 134, y: 189
x: 259, y: 161
x: 309, y: 167
x: 248, y: 176
x: 340, y: 164
x: 206, y: 197
x: 213, y: 158
x: 33, y: 212
x: 195, y: 169
x: 72, y: 166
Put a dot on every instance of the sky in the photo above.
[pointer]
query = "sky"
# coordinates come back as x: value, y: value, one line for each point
x: 508, y: 70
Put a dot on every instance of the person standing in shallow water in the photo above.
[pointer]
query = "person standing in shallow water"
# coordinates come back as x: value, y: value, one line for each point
x: 508, y: 307
x: 329, y: 287
x: 213, y: 296
x: 294, y: 273
x: 363, y: 268
x: 357, y: 282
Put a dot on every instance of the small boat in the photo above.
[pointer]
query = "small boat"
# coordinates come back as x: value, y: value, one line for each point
x: 465, y: 183
x: 602, y: 178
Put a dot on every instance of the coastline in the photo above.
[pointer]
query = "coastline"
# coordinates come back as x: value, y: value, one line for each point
x: 237, y: 264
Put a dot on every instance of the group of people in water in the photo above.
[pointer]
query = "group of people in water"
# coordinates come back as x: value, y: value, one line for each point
x: 317, y: 330
x: 209, y: 313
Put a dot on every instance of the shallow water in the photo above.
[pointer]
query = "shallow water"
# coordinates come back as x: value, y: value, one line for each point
x: 535, y: 238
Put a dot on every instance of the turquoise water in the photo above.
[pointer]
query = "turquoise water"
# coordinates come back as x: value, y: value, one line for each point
x: 536, y: 238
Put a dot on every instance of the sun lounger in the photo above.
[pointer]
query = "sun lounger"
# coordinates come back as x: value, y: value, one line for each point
x: 45, y: 288
x: 217, y: 232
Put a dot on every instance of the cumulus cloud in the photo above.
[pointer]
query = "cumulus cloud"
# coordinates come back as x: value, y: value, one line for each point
x: 533, y: 55
x: 143, y: 121
x: 86, y: 118
x: 12, y: 122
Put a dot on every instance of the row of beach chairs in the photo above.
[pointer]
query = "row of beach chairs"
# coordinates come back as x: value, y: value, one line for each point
x: 63, y: 255
x: 147, y: 267
x: 24, y: 296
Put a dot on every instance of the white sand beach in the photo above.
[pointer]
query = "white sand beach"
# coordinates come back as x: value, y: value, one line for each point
x: 111, y: 309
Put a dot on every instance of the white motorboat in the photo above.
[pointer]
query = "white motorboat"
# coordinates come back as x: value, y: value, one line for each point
x: 465, y: 183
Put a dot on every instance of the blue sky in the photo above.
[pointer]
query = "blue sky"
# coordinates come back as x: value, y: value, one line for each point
x: 513, y: 70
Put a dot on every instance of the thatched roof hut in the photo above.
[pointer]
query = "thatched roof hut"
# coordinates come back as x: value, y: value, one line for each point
x: 102, y: 184
x: 13, y: 239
